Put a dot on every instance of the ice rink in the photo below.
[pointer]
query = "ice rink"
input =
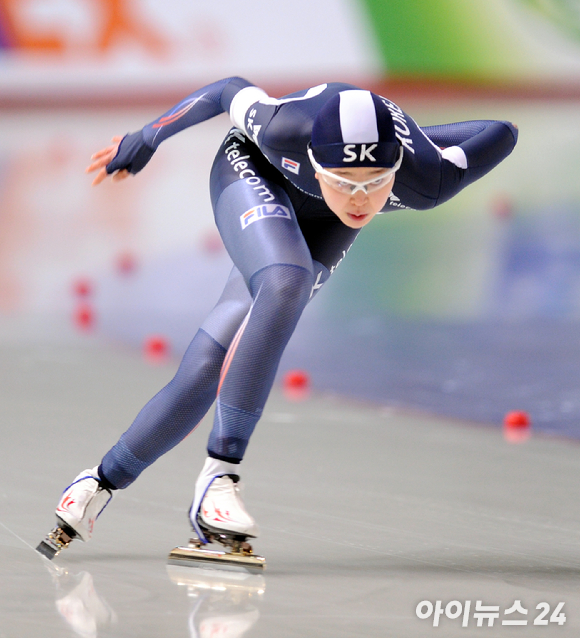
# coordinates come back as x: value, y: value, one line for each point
x: 400, y: 508
x: 373, y: 510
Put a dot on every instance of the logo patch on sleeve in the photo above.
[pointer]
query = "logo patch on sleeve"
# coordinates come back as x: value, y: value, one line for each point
x: 265, y: 211
x: 291, y: 165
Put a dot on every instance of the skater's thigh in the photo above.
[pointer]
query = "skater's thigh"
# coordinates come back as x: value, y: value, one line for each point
x: 233, y: 305
x: 255, y: 216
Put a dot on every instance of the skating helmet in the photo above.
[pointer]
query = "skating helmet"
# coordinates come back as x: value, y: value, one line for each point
x: 354, y: 128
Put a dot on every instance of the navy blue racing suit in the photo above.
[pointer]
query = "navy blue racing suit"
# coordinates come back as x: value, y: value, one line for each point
x: 284, y: 242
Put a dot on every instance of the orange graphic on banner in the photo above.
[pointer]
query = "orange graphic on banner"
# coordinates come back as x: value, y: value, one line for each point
x: 118, y: 24
x: 19, y: 36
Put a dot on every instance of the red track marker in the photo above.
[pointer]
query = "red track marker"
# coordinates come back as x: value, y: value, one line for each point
x: 517, y: 426
x: 156, y: 349
x: 296, y: 385
x: 84, y: 317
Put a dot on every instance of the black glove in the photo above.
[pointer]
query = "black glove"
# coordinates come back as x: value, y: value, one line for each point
x: 132, y: 154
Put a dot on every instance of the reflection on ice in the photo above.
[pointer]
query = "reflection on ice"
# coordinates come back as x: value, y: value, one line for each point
x: 79, y: 604
x: 225, y: 603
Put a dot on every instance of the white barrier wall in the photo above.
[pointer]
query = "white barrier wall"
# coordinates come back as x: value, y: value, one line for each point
x: 117, y: 48
x: 52, y: 47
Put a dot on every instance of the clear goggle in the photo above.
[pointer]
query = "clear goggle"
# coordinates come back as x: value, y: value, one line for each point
x: 350, y: 187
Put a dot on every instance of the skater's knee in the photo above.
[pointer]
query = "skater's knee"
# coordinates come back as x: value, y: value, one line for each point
x: 204, y: 357
x: 283, y: 286
x: 198, y: 371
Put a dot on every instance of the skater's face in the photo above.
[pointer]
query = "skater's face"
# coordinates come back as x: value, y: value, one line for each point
x: 356, y: 209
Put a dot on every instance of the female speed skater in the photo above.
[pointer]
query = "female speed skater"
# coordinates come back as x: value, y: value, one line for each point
x: 293, y: 183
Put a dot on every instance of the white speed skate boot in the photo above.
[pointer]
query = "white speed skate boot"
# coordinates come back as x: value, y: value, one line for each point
x: 78, y: 509
x: 218, y: 515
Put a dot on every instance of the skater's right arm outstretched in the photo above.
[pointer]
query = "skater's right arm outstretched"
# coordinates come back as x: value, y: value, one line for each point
x: 102, y: 158
x: 131, y: 153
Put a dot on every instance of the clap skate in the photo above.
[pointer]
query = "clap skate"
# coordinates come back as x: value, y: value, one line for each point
x: 239, y: 555
x: 219, y: 518
x: 56, y: 540
x: 76, y: 513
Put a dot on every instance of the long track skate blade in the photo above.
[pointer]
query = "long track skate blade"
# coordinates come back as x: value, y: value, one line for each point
x: 56, y: 540
x: 209, y: 559
x: 48, y: 551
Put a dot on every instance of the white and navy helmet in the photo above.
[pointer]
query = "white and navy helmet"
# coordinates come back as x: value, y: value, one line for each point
x: 354, y: 128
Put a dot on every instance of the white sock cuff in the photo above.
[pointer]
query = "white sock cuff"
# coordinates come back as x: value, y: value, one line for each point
x: 215, y: 467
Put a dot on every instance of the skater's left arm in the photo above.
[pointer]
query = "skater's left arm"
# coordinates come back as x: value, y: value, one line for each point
x: 470, y: 150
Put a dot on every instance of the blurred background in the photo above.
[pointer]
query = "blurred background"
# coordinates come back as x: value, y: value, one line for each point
x: 469, y: 310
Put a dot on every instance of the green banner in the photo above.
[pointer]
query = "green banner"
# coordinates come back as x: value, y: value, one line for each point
x: 475, y: 39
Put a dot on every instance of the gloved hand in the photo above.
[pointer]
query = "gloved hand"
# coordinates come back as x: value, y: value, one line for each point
x: 132, y: 154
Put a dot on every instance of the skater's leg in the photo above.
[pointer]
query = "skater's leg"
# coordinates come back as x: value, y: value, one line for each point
x: 267, y: 246
x: 280, y: 294
x: 328, y: 241
x: 169, y: 416
x: 284, y: 261
x: 273, y: 257
x: 162, y: 423
x: 177, y: 409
